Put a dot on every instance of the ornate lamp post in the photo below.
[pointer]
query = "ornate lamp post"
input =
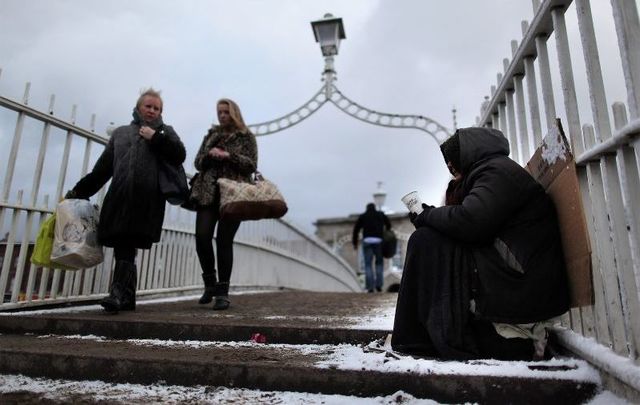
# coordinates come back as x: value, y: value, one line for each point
x: 379, y: 197
x: 328, y: 32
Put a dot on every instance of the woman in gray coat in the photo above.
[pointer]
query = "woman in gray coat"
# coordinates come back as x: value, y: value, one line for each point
x: 133, y: 208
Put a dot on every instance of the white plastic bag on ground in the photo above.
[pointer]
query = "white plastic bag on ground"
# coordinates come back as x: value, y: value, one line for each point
x: 75, y: 242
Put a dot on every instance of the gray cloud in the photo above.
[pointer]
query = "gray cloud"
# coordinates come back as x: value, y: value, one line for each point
x: 407, y: 56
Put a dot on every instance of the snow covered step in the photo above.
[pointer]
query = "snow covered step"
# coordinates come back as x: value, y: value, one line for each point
x: 18, y: 389
x: 283, y: 317
x: 329, y: 369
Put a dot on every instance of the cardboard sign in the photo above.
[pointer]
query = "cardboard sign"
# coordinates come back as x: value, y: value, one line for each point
x: 552, y: 165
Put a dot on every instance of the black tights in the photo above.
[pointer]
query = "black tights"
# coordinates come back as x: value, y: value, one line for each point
x: 125, y: 253
x: 205, y: 224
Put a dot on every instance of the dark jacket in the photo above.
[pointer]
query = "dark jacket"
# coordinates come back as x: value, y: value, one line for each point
x: 133, y: 208
x: 372, y: 223
x: 242, y: 163
x: 509, y: 227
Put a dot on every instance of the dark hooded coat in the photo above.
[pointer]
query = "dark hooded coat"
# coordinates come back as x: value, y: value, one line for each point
x: 133, y: 208
x: 498, y: 247
x: 509, y: 225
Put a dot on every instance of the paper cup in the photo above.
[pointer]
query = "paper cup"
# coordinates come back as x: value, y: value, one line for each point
x: 412, y: 201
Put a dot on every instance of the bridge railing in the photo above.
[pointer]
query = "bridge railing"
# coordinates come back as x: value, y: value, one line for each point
x: 604, y: 143
x: 46, y: 155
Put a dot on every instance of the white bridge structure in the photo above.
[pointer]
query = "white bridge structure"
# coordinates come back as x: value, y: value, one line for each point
x: 537, y: 85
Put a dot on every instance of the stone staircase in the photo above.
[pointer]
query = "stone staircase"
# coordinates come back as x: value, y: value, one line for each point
x: 329, y: 343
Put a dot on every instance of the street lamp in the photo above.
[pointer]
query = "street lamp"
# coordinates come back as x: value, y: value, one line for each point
x: 328, y: 32
x: 379, y: 196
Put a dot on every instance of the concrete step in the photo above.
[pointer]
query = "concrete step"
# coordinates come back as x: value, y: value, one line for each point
x: 327, y: 343
x: 283, y: 317
x: 301, y: 368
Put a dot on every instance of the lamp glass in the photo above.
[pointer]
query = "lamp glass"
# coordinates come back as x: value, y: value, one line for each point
x: 378, y: 199
x: 328, y: 37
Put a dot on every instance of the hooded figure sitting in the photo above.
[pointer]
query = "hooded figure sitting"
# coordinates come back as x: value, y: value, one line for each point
x: 483, y: 273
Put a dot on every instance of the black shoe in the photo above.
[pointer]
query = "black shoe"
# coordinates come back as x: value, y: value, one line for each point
x: 221, y: 303
x: 378, y: 289
x: 111, y: 304
x: 369, y: 291
x: 209, y: 283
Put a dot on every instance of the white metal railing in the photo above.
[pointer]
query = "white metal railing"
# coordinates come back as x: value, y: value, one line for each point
x: 268, y: 253
x: 606, y: 148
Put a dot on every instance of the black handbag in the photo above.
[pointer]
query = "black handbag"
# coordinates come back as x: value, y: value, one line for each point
x: 172, y: 182
x: 389, y: 244
x: 188, y: 203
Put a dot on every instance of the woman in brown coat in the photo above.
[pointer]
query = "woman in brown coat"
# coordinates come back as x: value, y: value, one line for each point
x: 228, y: 150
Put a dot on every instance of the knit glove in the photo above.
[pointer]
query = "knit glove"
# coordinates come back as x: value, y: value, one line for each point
x: 420, y: 220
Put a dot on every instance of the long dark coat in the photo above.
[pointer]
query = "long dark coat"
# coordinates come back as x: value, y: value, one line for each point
x: 510, y: 227
x: 498, y: 248
x: 133, y: 208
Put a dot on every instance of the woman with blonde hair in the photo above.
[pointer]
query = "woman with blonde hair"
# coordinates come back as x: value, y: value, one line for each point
x: 133, y: 208
x: 228, y: 150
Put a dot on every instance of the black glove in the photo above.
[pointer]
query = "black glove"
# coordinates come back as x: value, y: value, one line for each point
x: 70, y: 195
x: 420, y: 220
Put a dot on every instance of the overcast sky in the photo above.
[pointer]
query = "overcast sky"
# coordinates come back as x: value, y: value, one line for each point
x: 403, y: 56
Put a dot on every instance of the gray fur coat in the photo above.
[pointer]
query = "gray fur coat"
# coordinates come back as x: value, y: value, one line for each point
x: 133, y: 208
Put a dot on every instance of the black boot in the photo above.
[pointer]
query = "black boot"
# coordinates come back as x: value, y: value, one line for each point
x: 131, y: 284
x: 221, y: 291
x: 119, y: 285
x: 209, y: 283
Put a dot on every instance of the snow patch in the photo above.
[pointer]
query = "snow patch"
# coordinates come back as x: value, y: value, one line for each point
x: 553, y: 147
x: 94, y: 391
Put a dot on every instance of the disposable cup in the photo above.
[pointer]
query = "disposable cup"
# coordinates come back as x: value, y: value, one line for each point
x: 412, y: 201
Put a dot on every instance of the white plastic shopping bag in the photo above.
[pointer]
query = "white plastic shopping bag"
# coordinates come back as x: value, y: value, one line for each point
x: 75, y: 242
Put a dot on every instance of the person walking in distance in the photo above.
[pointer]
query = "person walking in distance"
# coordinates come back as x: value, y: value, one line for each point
x: 372, y: 223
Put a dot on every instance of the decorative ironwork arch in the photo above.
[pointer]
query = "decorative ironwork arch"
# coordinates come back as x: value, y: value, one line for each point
x: 330, y: 93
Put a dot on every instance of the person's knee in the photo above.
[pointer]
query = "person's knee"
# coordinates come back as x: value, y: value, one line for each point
x: 423, y: 235
x: 427, y: 239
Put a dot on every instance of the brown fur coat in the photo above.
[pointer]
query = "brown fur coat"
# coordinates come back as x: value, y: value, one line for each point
x: 242, y: 163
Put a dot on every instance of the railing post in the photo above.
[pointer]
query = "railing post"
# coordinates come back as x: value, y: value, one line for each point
x: 545, y: 81
x: 534, y: 109
x: 625, y: 14
x: 511, y: 125
x: 568, y: 84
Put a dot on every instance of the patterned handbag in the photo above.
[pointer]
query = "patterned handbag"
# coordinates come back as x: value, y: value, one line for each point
x: 242, y: 201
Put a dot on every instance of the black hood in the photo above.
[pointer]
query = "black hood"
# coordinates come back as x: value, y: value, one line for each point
x: 477, y: 143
